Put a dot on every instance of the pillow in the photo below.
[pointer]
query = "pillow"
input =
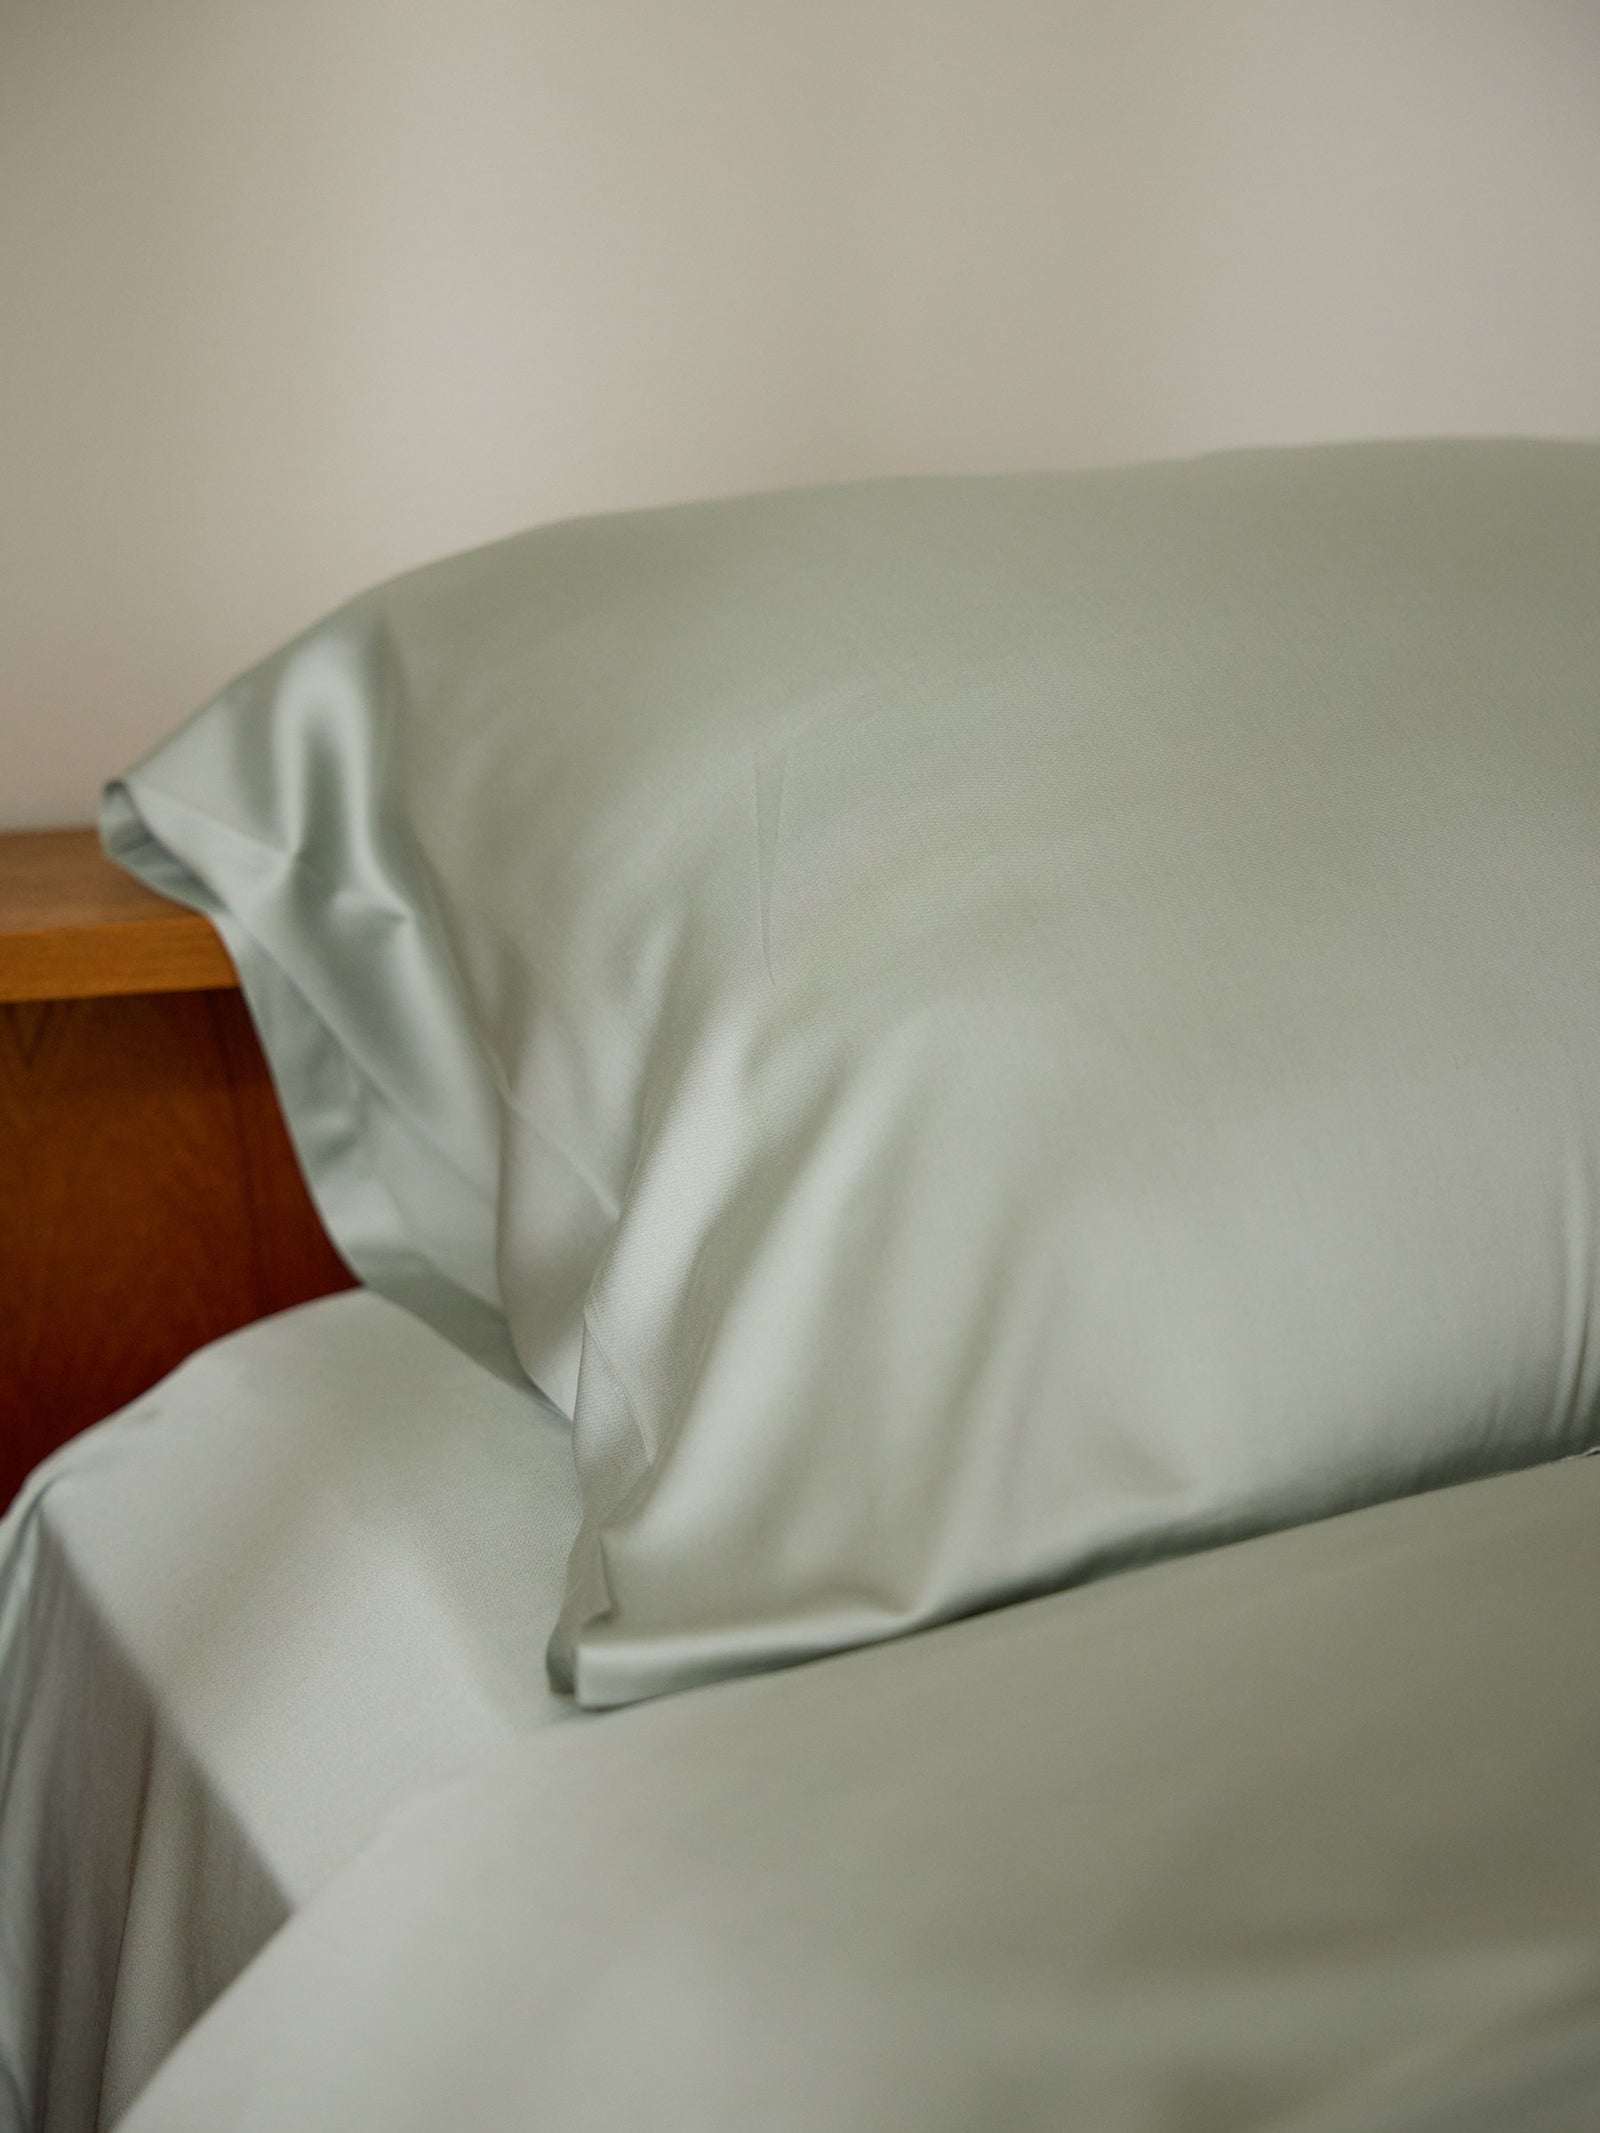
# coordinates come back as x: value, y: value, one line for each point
x: 970, y: 1032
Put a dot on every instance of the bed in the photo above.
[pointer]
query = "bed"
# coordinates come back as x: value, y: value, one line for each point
x: 959, y: 1493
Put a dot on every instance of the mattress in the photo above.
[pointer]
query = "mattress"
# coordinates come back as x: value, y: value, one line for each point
x: 1295, y: 1836
x: 308, y: 1575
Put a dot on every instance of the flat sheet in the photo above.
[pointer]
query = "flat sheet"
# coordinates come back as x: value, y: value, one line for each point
x: 308, y: 1575
x: 1299, y: 1836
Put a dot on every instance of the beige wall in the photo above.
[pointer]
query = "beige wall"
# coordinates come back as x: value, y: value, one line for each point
x: 294, y: 293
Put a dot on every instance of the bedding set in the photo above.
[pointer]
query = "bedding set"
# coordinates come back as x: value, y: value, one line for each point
x: 988, y: 1084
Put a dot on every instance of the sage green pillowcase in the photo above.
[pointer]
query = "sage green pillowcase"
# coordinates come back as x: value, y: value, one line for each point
x: 971, y: 1031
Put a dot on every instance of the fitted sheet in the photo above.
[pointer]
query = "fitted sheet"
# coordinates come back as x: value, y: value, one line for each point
x: 1296, y: 1836
x: 306, y: 1576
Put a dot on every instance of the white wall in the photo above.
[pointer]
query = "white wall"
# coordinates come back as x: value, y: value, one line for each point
x: 294, y: 293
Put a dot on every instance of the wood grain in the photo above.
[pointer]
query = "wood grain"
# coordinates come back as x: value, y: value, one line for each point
x: 73, y: 926
x: 149, y: 1201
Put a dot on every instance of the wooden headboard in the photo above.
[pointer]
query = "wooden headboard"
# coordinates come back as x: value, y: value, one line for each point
x: 149, y: 1198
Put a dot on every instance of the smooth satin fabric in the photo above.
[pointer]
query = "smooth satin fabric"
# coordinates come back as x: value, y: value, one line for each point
x: 972, y: 1031
x: 309, y: 1575
x: 1298, y: 1836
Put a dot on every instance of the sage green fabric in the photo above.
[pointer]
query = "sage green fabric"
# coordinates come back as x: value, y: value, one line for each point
x: 240, y: 1623
x: 1293, y: 1836
x: 971, y: 1031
